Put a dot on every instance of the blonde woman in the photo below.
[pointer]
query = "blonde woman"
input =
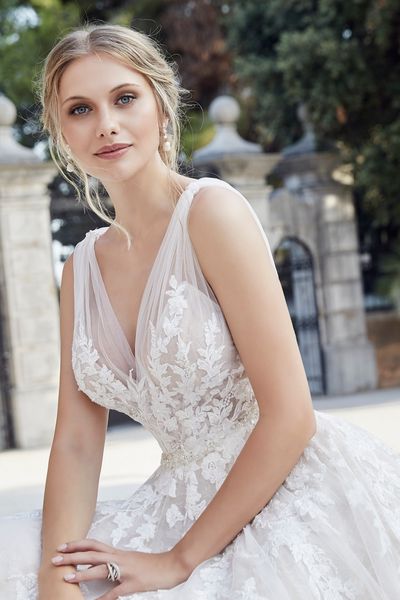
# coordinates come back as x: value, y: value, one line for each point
x: 173, y: 314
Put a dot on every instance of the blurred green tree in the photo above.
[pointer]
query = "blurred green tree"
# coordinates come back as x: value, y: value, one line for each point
x: 27, y: 32
x: 342, y: 60
x: 194, y: 35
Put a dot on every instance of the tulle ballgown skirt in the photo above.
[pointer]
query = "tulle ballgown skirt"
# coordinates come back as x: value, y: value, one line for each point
x: 330, y: 532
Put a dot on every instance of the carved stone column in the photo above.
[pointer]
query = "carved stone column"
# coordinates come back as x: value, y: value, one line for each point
x: 317, y: 208
x: 28, y: 293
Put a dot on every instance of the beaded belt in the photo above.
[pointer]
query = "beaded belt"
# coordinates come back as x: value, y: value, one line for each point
x: 181, y: 456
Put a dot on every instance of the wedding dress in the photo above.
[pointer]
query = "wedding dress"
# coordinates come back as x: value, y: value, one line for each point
x: 332, y: 529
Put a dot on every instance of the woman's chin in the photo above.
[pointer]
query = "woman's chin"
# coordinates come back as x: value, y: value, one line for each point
x: 113, y: 174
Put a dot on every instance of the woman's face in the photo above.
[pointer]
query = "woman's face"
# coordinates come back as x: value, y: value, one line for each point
x: 104, y: 102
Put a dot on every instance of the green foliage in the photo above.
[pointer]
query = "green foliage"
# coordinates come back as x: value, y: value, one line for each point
x: 24, y: 45
x: 341, y: 59
x: 330, y: 54
x: 198, y: 131
x: 27, y: 32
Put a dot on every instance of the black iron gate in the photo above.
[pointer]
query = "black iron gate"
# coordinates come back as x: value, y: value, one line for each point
x: 295, y: 268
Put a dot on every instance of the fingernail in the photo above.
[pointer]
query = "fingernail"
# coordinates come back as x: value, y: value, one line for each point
x: 69, y: 576
x: 61, y: 547
x: 57, y: 559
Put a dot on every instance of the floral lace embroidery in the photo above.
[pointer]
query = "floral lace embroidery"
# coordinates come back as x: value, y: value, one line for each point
x: 26, y: 587
x: 200, y: 439
x: 171, y: 393
x: 97, y: 380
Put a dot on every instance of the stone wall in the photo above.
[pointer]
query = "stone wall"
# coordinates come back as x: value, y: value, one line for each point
x: 28, y: 295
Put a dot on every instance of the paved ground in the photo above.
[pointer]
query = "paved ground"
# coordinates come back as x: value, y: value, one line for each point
x: 131, y: 454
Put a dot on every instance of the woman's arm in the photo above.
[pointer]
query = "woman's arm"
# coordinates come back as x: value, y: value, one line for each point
x: 75, y: 459
x: 235, y: 261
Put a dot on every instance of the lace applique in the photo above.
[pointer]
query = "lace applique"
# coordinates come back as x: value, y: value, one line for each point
x: 27, y: 587
x: 174, y: 515
x: 249, y: 590
x: 168, y: 398
x: 200, y: 406
x: 97, y: 380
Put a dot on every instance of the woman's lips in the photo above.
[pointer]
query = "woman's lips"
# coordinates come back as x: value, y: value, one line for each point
x: 114, y: 153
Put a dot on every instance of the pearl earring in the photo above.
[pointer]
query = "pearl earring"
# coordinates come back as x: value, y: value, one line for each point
x: 167, y: 143
x: 70, y: 167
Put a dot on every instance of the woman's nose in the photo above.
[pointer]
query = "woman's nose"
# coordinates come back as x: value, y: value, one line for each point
x: 107, y: 125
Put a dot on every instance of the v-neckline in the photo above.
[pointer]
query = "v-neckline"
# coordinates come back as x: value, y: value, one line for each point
x: 100, y: 231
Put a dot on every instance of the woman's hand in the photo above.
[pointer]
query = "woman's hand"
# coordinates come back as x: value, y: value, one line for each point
x: 139, y: 571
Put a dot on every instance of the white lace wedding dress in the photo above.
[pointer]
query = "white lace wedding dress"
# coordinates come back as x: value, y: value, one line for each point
x: 330, y: 532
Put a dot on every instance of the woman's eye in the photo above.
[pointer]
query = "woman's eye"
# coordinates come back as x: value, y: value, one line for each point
x: 77, y: 110
x: 126, y: 98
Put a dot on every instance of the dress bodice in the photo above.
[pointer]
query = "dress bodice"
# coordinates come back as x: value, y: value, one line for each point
x: 186, y: 384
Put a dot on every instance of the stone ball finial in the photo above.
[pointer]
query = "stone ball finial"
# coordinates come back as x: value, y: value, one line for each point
x: 307, y: 144
x: 224, y: 109
x: 12, y: 152
x: 302, y: 112
x: 304, y: 118
x: 8, y: 112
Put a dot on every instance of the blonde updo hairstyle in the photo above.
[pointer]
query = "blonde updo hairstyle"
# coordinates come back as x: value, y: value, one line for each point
x: 133, y: 48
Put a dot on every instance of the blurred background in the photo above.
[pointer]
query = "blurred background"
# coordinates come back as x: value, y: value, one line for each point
x: 294, y: 102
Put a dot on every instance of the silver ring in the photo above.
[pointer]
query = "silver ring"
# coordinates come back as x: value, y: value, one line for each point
x: 114, y: 574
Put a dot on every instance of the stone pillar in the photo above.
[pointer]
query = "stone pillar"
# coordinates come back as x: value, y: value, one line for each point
x: 28, y: 294
x: 319, y: 210
x: 237, y: 161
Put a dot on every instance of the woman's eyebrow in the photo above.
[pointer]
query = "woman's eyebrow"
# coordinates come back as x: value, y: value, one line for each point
x: 121, y: 85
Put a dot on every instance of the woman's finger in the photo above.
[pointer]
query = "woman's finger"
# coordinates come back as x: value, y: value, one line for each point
x: 83, y: 558
x: 99, y: 572
x: 83, y: 545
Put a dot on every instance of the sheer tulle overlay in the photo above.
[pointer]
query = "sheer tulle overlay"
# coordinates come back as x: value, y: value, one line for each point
x: 330, y: 532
